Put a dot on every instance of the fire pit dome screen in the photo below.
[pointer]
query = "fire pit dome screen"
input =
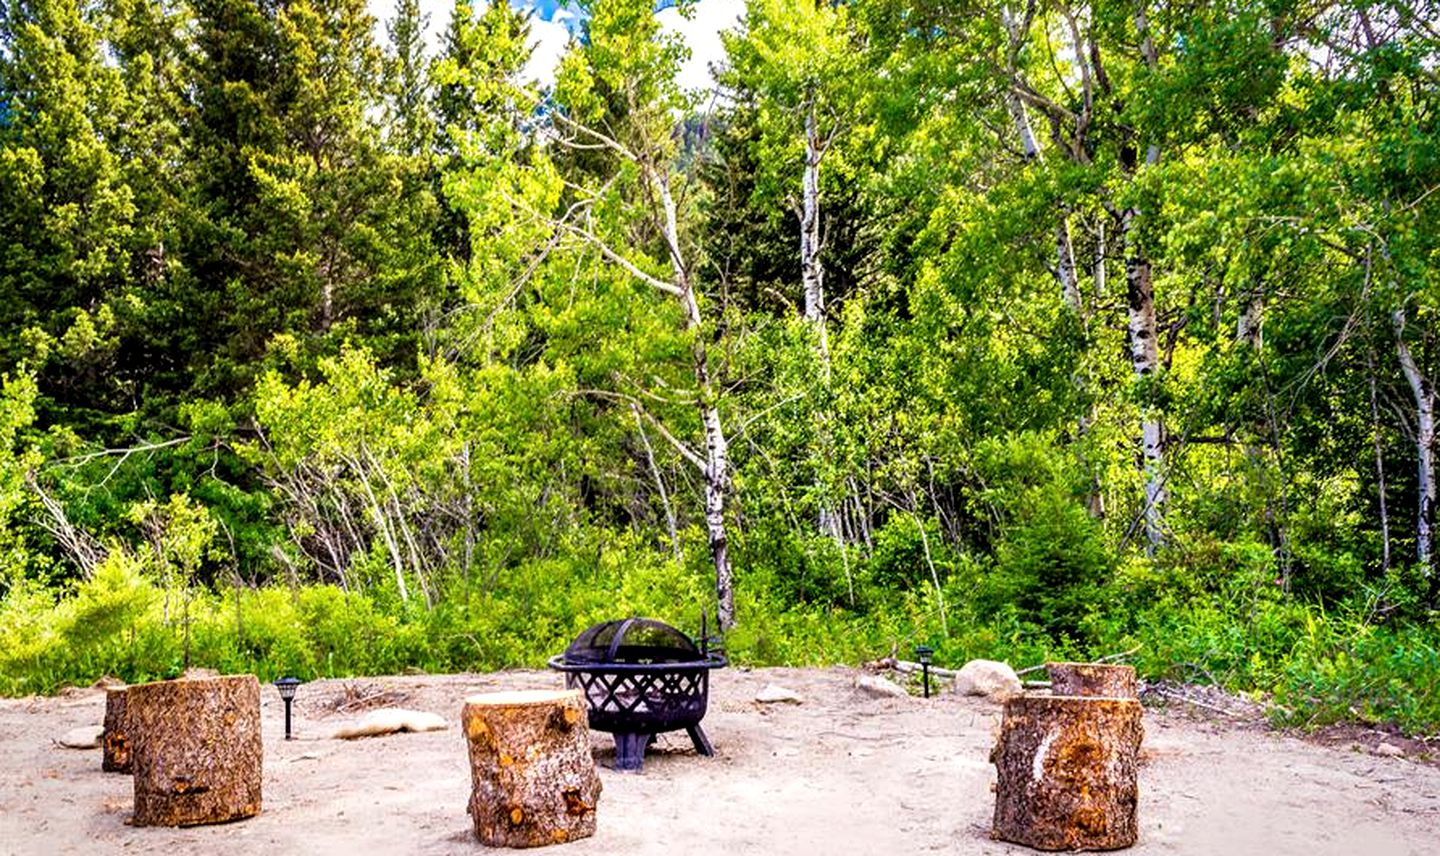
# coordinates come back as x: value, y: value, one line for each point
x: 640, y: 677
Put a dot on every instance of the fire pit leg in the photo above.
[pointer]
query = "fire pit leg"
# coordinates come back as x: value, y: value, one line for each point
x: 702, y: 742
x: 630, y: 751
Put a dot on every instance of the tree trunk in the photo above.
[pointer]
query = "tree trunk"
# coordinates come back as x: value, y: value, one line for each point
x: 1014, y: 29
x: 1424, y: 392
x: 1248, y: 331
x: 1379, y: 465
x: 1067, y: 772
x: 196, y: 750
x: 1144, y: 358
x: 1065, y: 268
x: 812, y: 278
x: 717, y: 481
x: 1099, y: 275
x: 114, y: 742
x: 1091, y: 679
x: 533, y: 779
x: 812, y: 273
x: 716, y: 469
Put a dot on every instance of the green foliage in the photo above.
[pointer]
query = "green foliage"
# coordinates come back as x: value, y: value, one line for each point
x: 330, y: 359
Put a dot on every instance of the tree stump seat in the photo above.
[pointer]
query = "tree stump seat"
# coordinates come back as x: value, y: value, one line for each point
x: 533, y: 780
x: 195, y: 750
x: 1066, y: 769
x: 1092, y: 679
x: 115, y: 745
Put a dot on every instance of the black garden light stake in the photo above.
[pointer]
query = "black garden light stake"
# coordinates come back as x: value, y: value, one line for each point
x: 923, y: 653
x: 287, y: 687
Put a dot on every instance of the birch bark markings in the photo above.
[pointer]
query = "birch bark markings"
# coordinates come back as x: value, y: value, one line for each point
x: 812, y: 273
x: 1424, y: 392
x: 812, y: 278
x: 716, y: 468
x: 1144, y: 358
x: 1142, y: 329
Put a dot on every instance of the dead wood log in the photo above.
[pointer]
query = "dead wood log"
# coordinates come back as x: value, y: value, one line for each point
x: 195, y: 749
x: 908, y: 667
x: 1066, y: 770
x: 1091, y: 679
x: 113, y: 741
x: 533, y: 779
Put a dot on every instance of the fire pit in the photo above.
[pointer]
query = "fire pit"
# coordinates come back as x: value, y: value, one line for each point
x: 641, y: 677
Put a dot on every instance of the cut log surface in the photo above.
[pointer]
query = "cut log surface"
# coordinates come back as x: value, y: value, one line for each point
x: 533, y: 779
x: 1066, y: 770
x: 195, y: 749
x: 114, y: 743
x: 1091, y: 679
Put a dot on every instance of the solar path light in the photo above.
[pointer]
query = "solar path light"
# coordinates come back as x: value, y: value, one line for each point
x: 923, y: 653
x: 287, y: 687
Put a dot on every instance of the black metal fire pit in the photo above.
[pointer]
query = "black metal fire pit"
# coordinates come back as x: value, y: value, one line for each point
x: 641, y: 677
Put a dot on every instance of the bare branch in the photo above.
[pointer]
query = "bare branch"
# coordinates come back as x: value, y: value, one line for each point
x: 684, y: 449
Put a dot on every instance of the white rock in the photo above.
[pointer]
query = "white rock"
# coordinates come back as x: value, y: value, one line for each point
x: 996, y: 681
x: 84, y: 737
x: 1389, y: 750
x: 388, y: 720
x: 776, y: 694
x: 880, y: 687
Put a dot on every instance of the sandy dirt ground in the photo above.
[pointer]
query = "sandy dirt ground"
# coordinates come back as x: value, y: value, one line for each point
x: 840, y: 773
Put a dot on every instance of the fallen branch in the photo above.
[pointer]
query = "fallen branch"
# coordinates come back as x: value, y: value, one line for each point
x: 1171, y: 694
x: 1106, y: 659
x: 366, y: 697
x: 908, y: 667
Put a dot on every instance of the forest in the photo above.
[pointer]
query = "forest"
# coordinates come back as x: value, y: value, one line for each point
x: 1026, y: 329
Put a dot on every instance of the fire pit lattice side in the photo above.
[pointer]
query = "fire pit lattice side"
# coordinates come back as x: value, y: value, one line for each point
x: 664, y: 700
x: 640, y: 677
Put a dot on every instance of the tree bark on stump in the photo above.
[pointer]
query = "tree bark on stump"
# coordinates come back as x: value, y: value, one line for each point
x: 196, y: 750
x: 1067, y: 772
x: 1091, y: 679
x: 114, y: 743
x: 533, y: 779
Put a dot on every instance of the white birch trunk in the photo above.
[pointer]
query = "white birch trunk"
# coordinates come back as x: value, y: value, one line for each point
x: 812, y: 274
x: 1424, y: 392
x: 327, y: 305
x: 716, y: 468
x: 812, y: 279
x: 1152, y: 61
x: 1100, y: 261
x: 1029, y: 144
x: 1247, y: 327
x: 1066, y: 270
x: 1144, y: 359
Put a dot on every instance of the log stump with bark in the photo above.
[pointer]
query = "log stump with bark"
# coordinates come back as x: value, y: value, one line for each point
x: 1091, y: 679
x: 195, y: 749
x: 533, y: 779
x: 114, y: 744
x: 1067, y: 772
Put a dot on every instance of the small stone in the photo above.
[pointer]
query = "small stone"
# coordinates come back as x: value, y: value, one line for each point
x: 880, y: 687
x: 84, y: 737
x: 1389, y: 750
x: 776, y: 694
x: 994, y: 680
